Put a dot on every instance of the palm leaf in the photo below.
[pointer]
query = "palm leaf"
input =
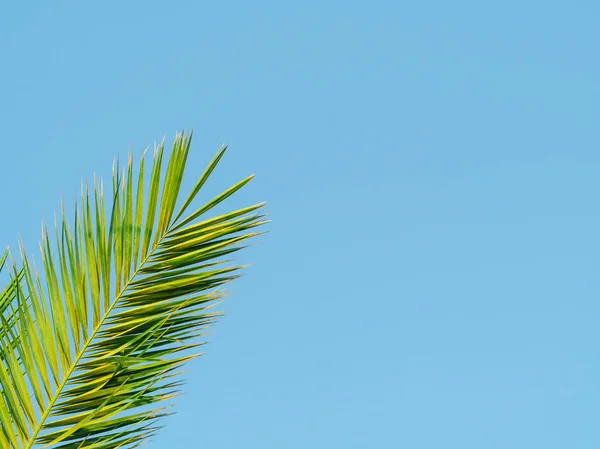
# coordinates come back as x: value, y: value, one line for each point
x: 122, y: 301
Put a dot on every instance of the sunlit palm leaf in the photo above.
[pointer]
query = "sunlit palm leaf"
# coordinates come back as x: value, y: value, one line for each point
x: 123, y: 298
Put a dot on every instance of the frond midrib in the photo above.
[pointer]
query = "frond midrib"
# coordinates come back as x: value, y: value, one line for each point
x: 88, y: 341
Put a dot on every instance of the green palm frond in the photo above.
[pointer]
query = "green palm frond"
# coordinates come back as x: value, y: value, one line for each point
x: 122, y: 303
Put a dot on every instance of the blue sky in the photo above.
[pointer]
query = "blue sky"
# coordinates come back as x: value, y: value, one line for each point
x: 432, y: 173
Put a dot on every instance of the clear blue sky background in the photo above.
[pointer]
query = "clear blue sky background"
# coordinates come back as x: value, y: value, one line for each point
x: 432, y: 172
